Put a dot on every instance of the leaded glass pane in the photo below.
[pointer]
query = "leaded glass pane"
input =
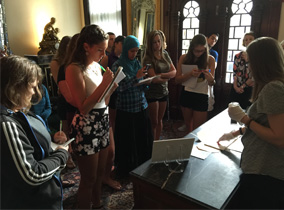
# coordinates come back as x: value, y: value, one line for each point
x: 186, y: 23
x: 249, y: 6
x: 229, y: 58
x: 247, y: 29
x: 231, y: 32
x: 191, y: 12
x: 234, y: 8
x: 228, y: 76
x: 185, y: 12
x: 196, y: 31
x: 195, y: 4
x: 230, y: 66
x: 235, y: 20
x: 190, y: 33
x: 239, y: 32
x: 185, y: 44
x: 184, y: 34
x: 241, y: 9
x: 195, y: 23
x: 233, y: 44
x: 245, y: 20
x: 196, y: 11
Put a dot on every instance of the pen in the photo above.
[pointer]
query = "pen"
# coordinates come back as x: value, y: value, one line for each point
x: 103, y: 68
x: 60, y: 128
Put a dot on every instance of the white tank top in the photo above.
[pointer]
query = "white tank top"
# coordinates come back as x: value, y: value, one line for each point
x: 93, y: 77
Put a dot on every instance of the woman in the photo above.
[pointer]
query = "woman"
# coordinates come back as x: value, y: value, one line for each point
x: 108, y: 61
x: 262, y: 181
x: 242, y: 86
x: 194, y: 96
x: 90, y: 125
x: 57, y: 61
x: 133, y: 135
x: 157, y: 94
x: 29, y: 168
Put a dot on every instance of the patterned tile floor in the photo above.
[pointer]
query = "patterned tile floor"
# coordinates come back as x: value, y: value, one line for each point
x: 113, y: 199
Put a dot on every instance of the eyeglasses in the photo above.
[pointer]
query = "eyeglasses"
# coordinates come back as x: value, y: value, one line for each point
x: 199, y: 51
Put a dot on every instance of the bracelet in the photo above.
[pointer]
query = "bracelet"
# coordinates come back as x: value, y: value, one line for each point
x: 241, y: 131
x: 249, y: 122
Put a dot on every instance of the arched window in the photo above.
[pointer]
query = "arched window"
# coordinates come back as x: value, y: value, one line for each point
x: 190, y: 25
x: 240, y: 23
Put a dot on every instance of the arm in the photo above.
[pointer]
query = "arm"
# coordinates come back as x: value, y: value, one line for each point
x: 210, y: 75
x: 54, y: 68
x: 30, y: 170
x: 273, y: 134
x: 180, y: 77
x: 76, y: 83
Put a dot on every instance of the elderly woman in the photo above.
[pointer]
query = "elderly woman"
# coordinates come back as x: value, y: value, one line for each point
x: 29, y: 167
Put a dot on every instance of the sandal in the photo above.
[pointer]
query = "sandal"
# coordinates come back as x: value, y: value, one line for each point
x: 67, y: 183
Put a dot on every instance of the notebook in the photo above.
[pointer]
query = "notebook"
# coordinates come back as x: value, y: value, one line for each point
x: 172, y: 149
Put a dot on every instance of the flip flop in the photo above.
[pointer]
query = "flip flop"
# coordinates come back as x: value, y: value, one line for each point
x: 67, y: 183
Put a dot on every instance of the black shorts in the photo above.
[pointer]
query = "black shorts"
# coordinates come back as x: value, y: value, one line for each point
x: 195, y: 101
x: 150, y: 100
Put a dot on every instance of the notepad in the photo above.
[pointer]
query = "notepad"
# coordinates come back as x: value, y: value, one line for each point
x: 54, y: 145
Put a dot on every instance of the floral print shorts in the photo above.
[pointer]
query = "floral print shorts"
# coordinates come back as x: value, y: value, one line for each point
x: 91, y: 132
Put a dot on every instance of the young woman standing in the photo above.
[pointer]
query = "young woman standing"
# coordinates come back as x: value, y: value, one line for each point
x: 194, y: 98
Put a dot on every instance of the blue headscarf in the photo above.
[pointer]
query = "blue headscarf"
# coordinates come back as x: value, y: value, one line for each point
x: 130, y: 67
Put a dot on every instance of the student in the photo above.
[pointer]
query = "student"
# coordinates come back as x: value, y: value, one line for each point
x: 157, y: 94
x: 212, y: 39
x: 90, y: 125
x: 194, y: 99
x: 241, y: 89
x: 133, y: 133
x: 111, y: 38
x: 108, y: 61
x: 29, y: 167
x: 262, y: 181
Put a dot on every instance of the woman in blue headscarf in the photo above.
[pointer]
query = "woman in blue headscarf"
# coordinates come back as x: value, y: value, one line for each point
x: 133, y: 133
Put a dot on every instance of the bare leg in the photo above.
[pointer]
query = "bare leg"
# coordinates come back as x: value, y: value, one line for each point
x: 188, y: 118
x: 199, y: 118
x: 161, y: 112
x: 97, y: 187
x: 88, y: 167
x: 109, y: 163
x: 153, y: 113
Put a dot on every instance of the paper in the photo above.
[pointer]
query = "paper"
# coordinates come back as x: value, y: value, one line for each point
x: 54, y: 145
x: 191, y: 82
x: 141, y: 82
x: 119, y: 75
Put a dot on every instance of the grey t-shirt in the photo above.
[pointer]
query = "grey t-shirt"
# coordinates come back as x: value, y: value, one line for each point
x: 259, y: 156
x: 157, y: 91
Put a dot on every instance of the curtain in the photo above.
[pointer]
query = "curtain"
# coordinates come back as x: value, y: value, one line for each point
x: 106, y: 14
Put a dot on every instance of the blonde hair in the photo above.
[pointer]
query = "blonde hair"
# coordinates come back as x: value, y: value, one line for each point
x: 17, y: 73
x: 266, y: 62
x: 251, y: 33
x: 149, y: 46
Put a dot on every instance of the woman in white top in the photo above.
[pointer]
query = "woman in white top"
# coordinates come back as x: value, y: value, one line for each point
x: 194, y: 96
x: 90, y: 125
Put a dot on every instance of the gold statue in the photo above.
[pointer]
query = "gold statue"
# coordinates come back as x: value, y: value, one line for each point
x: 50, y: 41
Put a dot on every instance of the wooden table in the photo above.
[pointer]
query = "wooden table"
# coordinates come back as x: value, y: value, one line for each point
x: 208, y: 183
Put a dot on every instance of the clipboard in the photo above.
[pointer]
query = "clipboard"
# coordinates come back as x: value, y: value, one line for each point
x: 118, y: 76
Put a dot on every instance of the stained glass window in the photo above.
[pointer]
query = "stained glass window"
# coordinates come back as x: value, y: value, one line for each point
x: 240, y: 24
x: 190, y: 23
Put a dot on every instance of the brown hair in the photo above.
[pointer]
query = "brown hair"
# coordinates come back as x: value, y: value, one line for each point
x: 251, y: 33
x: 202, y: 61
x: 266, y: 62
x: 17, y: 73
x: 149, y: 46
